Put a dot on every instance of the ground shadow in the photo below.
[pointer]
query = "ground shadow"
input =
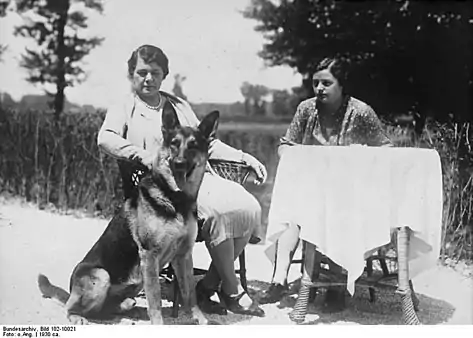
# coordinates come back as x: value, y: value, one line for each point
x: 139, y: 314
x: 386, y: 310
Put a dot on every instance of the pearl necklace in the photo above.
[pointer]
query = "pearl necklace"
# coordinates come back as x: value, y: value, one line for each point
x: 156, y: 107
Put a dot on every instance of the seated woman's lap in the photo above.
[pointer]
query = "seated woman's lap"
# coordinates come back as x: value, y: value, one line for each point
x: 228, y: 210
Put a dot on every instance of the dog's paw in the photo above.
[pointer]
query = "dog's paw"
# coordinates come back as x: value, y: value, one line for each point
x: 127, y: 305
x: 196, y: 321
x: 78, y: 320
x: 140, y: 322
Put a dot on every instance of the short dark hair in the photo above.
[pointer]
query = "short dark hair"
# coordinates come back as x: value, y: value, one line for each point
x: 337, y: 66
x: 149, y: 54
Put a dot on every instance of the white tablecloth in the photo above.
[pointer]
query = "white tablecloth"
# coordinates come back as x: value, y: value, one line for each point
x: 347, y: 199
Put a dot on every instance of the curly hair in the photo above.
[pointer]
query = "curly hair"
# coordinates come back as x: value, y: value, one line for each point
x: 337, y: 66
x: 149, y: 54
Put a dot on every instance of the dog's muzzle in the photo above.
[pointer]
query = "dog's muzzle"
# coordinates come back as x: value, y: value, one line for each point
x: 181, y: 169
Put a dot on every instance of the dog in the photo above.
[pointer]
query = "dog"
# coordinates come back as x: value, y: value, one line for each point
x: 157, y: 225
x: 107, y: 279
x: 163, y: 215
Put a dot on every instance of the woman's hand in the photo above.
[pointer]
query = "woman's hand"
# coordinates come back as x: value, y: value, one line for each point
x: 147, y: 160
x: 258, y: 167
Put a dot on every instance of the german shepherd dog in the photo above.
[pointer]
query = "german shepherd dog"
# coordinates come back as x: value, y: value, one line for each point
x: 157, y: 225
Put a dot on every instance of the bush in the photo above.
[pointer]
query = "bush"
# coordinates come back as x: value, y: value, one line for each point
x: 61, y: 166
x: 64, y: 167
x: 453, y: 143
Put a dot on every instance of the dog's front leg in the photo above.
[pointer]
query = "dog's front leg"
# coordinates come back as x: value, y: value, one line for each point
x: 150, y: 270
x: 184, y: 270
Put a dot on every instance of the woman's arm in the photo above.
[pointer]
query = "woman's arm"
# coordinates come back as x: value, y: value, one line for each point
x: 368, y: 129
x: 111, y: 139
x: 220, y: 150
x: 295, y: 131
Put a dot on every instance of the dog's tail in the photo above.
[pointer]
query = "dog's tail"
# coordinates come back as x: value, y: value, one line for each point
x: 49, y: 290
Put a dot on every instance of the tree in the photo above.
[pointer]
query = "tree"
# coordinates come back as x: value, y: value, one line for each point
x: 404, y: 54
x: 254, y: 94
x: 177, y: 89
x: 3, y: 7
x: 3, y: 11
x: 57, y: 26
x: 284, y: 102
x: 6, y: 101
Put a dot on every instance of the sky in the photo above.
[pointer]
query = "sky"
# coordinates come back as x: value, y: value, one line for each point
x: 207, y: 41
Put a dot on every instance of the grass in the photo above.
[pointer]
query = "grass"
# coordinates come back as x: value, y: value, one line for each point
x: 63, y: 167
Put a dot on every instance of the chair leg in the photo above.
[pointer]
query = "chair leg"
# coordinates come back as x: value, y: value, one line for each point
x: 369, y: 271
x: 384, y: 266
x: 242, y: 262
x: 170, y: 272
x: 303, y: 257
x: 176, y: 297
x: 300, y: 309
x: 408, y: 312
x: 312, y: 294
x: 315, y: 275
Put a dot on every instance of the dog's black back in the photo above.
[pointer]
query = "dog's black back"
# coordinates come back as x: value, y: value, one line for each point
x: 115, y: 245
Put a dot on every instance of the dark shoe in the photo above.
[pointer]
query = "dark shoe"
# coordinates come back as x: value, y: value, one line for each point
x: 334, y: 300
x: 233, y: 304
x: 273, y: 294
x: 205, y: 303
x: 254, y: 239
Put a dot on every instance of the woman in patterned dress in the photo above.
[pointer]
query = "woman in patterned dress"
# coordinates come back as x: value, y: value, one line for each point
x: 332, y: 118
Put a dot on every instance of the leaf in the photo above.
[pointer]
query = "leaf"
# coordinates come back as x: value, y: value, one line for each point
x: 59, y: 51
x: 396, y: 48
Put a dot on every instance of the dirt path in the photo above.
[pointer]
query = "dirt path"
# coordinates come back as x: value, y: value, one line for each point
x: 33, y: 241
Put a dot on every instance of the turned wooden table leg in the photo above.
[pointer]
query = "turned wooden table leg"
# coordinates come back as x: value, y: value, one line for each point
x: 408, y: 311
x: 300, y: 309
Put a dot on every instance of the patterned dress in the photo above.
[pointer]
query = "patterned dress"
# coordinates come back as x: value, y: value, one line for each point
x: 355, y: 123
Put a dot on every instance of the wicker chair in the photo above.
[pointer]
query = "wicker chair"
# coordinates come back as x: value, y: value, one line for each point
x: 314, y: 276
x: 234, y: 171
x: 384, y: 261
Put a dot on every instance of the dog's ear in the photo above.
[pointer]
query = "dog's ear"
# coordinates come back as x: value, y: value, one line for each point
x: 169, y: 119
x: 208, y: 125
